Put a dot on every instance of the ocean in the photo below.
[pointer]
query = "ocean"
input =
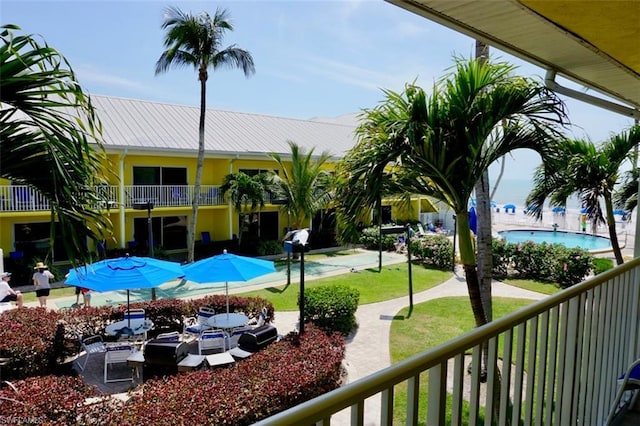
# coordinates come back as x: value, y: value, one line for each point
x: 515, y: 191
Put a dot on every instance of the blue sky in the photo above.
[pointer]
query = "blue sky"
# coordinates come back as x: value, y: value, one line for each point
x: 312, y: 58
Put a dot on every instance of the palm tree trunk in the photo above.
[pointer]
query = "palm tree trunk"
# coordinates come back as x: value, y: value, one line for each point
x: 191, y: 229
x: 468, y: 260
x: 611, y: 224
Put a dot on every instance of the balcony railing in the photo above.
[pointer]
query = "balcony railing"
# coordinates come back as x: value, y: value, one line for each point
x: 560, y: 360
x: 21, y: 198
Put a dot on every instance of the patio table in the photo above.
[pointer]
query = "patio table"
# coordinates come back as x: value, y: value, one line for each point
x: 225, y: 321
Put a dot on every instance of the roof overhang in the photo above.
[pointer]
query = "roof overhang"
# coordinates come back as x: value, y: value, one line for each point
x: 593, y: 43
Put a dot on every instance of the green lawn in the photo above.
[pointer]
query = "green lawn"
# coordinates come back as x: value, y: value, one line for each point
x: 537, y: 286
x: 374, y: 286
x: 435, y: 321
x: 54, y: 294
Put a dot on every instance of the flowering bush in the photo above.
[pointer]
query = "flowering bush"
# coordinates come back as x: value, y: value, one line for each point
x: 434, y: 250
x: 280, y: 376
x: 543, y: 262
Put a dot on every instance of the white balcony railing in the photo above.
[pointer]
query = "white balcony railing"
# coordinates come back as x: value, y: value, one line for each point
x: 21, y: 198
x: 560, y: 362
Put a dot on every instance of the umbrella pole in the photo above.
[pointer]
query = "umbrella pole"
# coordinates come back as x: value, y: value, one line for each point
x: 226, y: 287
x: 127, y: 313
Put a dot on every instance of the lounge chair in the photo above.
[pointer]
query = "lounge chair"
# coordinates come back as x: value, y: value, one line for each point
x: 117, y: 354
x: 196, y: 325
x: 90, y: 345
x: 212, y: 340
x: 628, y: 386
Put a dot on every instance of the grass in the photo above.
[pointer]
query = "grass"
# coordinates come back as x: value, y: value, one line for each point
x: 532, y: 285
x: 55, y: 293
x: 435, y: 321
x: 373, y: 286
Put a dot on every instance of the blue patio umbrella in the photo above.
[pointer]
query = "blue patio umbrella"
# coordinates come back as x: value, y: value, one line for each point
x: 508, y: 207
x: 124, y: 273
x: 226, y: 267
x: 558, y: 209
x: 473, y: 220
x: 620, y: 212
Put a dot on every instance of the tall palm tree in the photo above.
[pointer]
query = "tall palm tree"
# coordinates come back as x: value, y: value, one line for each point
x: 196, y: 40
x: 50, y: 139
x: 443, y: 143
x: 304, y: 184
x: 589, y: 171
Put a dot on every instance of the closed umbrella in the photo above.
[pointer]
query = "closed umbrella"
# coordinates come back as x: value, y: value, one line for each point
x: 473, y: 220
x: 226, y: 267
x: 124, y: 273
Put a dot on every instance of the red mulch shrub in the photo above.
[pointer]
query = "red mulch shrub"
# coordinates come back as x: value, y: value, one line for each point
x: 51, y: 400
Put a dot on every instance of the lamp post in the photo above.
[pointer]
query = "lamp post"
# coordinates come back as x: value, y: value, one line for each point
x: 148, y: 206
x: 299, y: 244
x: 409, y: 232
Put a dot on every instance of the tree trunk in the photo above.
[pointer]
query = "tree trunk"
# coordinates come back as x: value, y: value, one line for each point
x: 611, y: 224
x: 195, y: 201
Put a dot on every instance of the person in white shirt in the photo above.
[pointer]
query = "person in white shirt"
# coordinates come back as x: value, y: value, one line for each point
x: 7, y: 294
x: 41, y: 282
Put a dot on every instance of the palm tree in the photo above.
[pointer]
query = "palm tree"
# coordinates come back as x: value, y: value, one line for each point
x: 246, y: 191
x: 442, y: 144
x: 50, y: 139
x: 197, y: 41
x: 589, y: 171
x: 304, y: 184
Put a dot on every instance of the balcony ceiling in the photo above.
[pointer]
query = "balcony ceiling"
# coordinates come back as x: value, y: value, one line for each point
x: 594, y: 43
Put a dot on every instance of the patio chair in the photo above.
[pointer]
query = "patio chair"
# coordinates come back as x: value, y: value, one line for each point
x: 137, y: 318
x: 117, y: 354
x: 196, y: 325
x: 210, y: 340
x: 628, y: 386
x: 235, y: 334
x: 90, y: 345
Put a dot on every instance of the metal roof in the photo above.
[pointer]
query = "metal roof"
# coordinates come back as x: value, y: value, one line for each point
x: 144, y: 125
x: 594, y: 43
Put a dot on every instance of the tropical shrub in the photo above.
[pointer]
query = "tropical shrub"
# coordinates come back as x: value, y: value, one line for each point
x: 28, y: 339
x: 542, y: 262
x: 370, y: 237
x: 270, y: 247
x: 332, y: 308
x: 434, y: 250
x: 51, y: 400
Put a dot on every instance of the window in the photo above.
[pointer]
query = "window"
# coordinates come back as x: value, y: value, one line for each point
x: 169, y: 232
x: 160, y: 176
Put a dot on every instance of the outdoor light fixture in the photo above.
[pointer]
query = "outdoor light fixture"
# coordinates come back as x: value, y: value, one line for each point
x: 297, y: 241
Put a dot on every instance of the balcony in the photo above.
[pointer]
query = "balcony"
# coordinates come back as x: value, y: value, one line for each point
x: 21, y: 198
x: 559, y: 360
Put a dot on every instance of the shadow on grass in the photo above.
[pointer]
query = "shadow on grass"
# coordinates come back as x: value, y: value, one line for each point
x: 393, y: 317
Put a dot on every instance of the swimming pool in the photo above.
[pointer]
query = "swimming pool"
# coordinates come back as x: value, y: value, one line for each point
x: 568, y: 239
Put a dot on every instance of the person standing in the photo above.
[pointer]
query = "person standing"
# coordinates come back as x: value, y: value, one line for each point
x: 7, y: 294
x: 41, y: 282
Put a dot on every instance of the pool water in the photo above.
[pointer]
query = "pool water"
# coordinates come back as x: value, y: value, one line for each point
x: 568, y: 239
